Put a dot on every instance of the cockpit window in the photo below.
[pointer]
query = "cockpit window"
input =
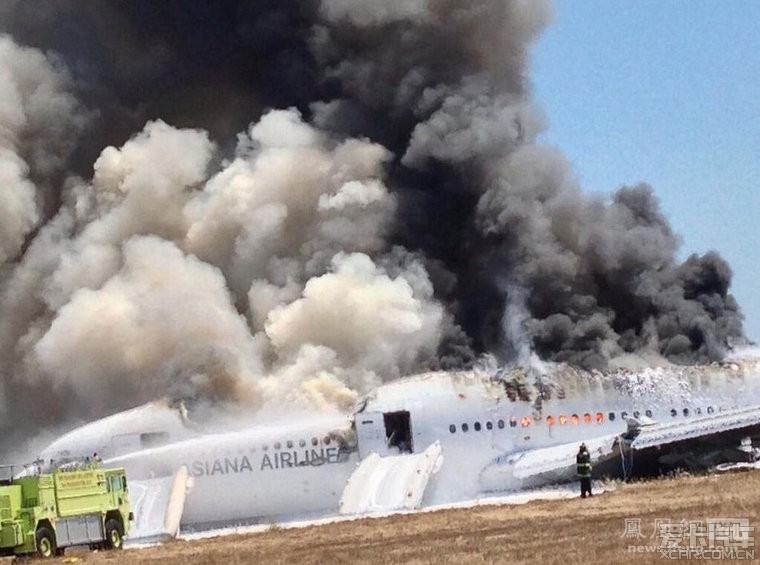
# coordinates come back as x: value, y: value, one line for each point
x: 153, y: 439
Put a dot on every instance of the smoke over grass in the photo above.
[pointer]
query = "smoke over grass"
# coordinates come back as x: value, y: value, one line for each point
x: 286, y: 203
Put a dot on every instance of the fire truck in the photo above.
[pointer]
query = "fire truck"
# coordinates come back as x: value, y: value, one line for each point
x: 45, y: 512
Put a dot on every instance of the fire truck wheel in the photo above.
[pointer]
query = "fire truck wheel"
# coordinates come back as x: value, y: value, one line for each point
x: 114, y: 535
x: 45, y: 542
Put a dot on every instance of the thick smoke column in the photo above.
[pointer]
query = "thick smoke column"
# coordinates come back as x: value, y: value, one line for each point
x: 385, y: 210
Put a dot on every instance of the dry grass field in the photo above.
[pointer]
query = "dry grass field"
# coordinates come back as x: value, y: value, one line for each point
x: 561, y: 531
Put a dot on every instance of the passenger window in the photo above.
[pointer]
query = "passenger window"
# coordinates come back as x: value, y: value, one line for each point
x: 562, y: 419
x: 452, y: 428
x: 465, y: 427
x: 587, y: 418
x: 477, y: 426
x: 599, y: 417
x: 648, y: 413
x: 611, y: 416
x: 673, y: 412
x: 501, y: 424
x: 277, y: 446
x: 574, y: 418
x: 550, y: 420
x: 265, y: 447
x: 698, y: 410
x: 685, y: 411
x: 314, y: 442
x: 636, y: 413
x: 301, y: 443
x: 289, y: 444
x: 525, y: 421
x: 513, y: 422
x: 489, y: 425
x: 624, y: 415
x: 326, y: 440
x: 710, y: 409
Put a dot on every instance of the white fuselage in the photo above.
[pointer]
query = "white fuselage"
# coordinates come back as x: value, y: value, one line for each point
x: 300, y: 469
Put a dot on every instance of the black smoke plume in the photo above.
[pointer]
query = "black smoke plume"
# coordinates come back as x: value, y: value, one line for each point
x: 384, y: 208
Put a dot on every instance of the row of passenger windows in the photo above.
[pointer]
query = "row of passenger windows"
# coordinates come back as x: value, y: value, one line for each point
x: 575, y: 419
x: 289, y: 444
x: 524, y: 421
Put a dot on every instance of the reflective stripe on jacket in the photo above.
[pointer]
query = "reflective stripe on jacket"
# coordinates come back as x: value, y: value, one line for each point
x: 583, y: 465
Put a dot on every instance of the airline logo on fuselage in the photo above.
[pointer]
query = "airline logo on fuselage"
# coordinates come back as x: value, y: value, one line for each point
x: 274, y: 461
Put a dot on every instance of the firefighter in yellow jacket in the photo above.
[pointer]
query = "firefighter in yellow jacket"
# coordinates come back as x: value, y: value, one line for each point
x: 583, y: 465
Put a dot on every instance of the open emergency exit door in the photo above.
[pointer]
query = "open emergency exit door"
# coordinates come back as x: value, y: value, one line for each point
x: 383, y: 433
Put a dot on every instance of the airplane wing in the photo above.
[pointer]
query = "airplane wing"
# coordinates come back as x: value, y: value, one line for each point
x: 660, y: 434
x: 157, y: 505
x: 638, y: 450
x: 693, y: 443
x: 544, y: 465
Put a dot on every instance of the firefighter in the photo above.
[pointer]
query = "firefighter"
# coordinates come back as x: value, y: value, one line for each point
x: 583, y: 461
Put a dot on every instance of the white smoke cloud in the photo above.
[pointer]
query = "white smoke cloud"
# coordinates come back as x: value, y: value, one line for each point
x: 254, y: 284
x: 163, y: 310
x: 375, y: 324
x: 38, y: 121
x: 140, y: 188
x: 18, y: 209
x: 290, y: 201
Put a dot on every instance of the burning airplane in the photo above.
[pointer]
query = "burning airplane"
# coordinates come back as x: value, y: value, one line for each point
x: 276, y: 208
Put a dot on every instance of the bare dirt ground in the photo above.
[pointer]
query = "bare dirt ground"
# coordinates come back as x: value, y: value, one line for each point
x: 564, y: 531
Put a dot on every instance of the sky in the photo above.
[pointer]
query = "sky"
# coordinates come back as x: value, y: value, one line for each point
x: 667, y: 93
